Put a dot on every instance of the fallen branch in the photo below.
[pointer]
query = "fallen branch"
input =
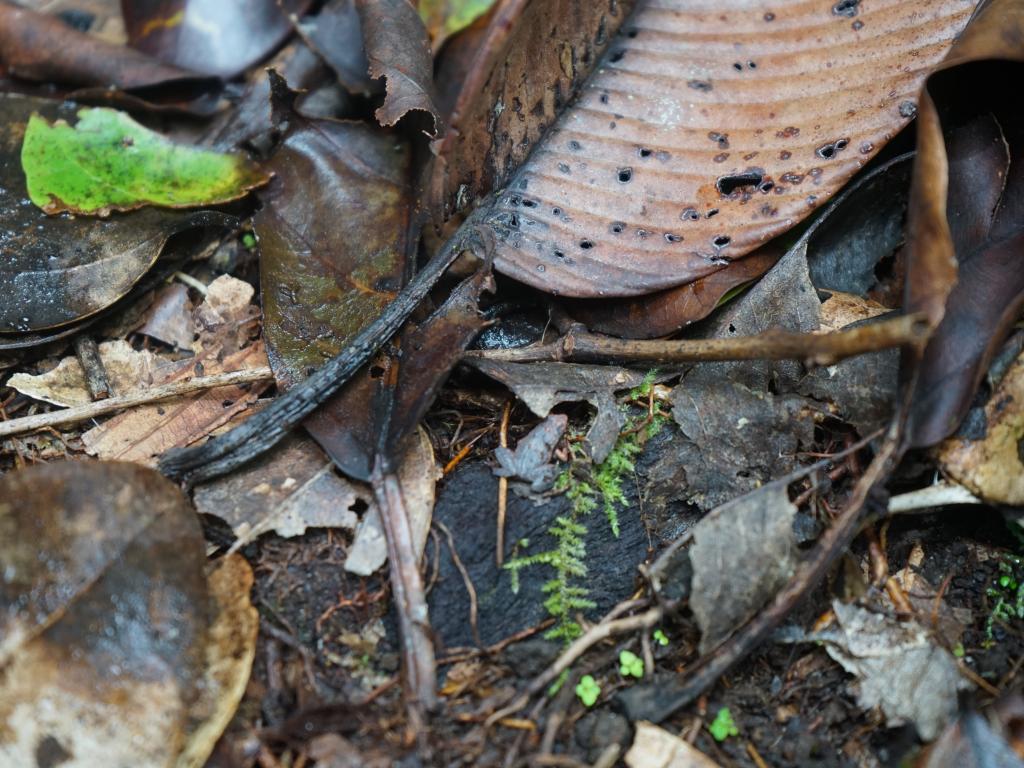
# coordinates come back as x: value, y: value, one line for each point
x: 88, y: 411
x: 580, y: 345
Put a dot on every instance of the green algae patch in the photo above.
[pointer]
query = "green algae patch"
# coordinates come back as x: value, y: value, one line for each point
x: 108, y: 162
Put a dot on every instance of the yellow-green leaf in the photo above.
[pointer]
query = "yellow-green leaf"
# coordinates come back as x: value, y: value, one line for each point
x: 444, y: 18
x: 108, y: 162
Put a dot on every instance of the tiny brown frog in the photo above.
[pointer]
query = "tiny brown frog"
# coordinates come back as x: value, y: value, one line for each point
x: 530, y: 463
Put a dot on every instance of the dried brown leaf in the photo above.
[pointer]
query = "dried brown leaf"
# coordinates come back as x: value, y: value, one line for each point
x: 707, y: 130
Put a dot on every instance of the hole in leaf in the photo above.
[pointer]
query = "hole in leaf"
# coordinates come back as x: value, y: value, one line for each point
x: 673, y: 238
x: 530, y: 203
x: 721, y: 241
x: 586, y: 245
x: 712, y: 212
x: 625, y: 175
x: 737, y: 66
x: 689, y: 214
x: 727, y: 185
x: 846, y: 8
x: 575, y: 146
x: 616, y: 57
x: 644, y: 152
x: 617, y: 227
x: 376, y: 372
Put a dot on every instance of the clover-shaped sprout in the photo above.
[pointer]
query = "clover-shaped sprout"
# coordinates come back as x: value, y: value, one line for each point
x: 630, y: 665
x: 588, y: 690
x: 723, y: 726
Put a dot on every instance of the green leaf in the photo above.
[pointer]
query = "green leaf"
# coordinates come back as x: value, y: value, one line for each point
x: 588, y: 690
x: 108, y: 162
x: 444, y: 18
x: 660, y: 637
x: 723, y: 726
x: 630, y: 665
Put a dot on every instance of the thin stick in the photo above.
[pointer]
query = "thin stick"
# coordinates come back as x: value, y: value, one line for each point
x: 419, y: 664
x: 144, y: 397
x: 499, y: 554
x: 579, y: 344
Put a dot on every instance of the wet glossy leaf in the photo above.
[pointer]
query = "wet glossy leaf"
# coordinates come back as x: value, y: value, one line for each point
x: 57, y: 269
x: 106, y: 617
x: 218, y: 37
x: 708, y: 129
x: 398, y: 50
x: 966, y: 229
x: 444, y: 18
x: 106, y: 161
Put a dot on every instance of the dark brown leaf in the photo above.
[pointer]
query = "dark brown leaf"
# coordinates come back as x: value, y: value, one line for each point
x: 211, y: 36
x: 336, y: 33
x: 705, y: 131
x: 967, y: 219
x: 57, y: 269
x: 398, y: 50
x: 41, y: 48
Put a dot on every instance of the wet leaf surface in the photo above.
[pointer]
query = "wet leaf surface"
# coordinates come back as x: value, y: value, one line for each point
x: 107, y: 162
x: 336, y: 34
x: 398, y: 50
x: 107, y: 618
x: 677, y: 159
x: 209, y: 36
x: 967, y: 219
x: 55, y: 270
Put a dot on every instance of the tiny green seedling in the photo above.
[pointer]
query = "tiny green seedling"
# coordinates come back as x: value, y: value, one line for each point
x: 660, y: 637
x: 587, y: 690
x: 723, y: 726
x: 630, y: 665
x: 248, y: 240
x: 959, y: 651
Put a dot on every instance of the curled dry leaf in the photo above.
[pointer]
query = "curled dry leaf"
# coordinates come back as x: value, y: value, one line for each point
x: 966, y: 219
x: 654, y: 747
x: 106, y: 618
x: 336, y: 34
x: 708, y: 129
x: 55, y: 270
x: 398, y: 50
x: 212, y: 36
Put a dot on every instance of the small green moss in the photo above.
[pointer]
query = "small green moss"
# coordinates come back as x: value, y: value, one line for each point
x: 660, y: 637
x: 723, y: 726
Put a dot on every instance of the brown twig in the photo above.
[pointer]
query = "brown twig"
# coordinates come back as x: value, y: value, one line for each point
x: 88, y: 354
x: 499, y: 554
x: 103, y: 407
x: 466, y: 580
x: 580, y: 345
x: 419, y: 664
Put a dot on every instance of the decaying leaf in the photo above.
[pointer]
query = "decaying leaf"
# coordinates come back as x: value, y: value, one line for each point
x: 287, y: 491
x: 512, y: 93
x: 980, y: 739
x: 169, y: 318
x: 676, y: 159
x: 398, y: 50
x: 108, y: 162
x: 127, y: 370
x: 654, y: 747
x: 990, y: 464
x: 223, y: 324
x: 542, y: 386
x: 107, y: 619
x: 743, y: 552
x: 966, y: 219
x: 898, y: 668
x: 57, y: 269
x: 211, y: 36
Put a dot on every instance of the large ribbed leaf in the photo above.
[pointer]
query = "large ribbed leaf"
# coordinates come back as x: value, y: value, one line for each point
x: 709, y: 128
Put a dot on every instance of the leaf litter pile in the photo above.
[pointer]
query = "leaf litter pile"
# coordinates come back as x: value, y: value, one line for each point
x: 511, y: 383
